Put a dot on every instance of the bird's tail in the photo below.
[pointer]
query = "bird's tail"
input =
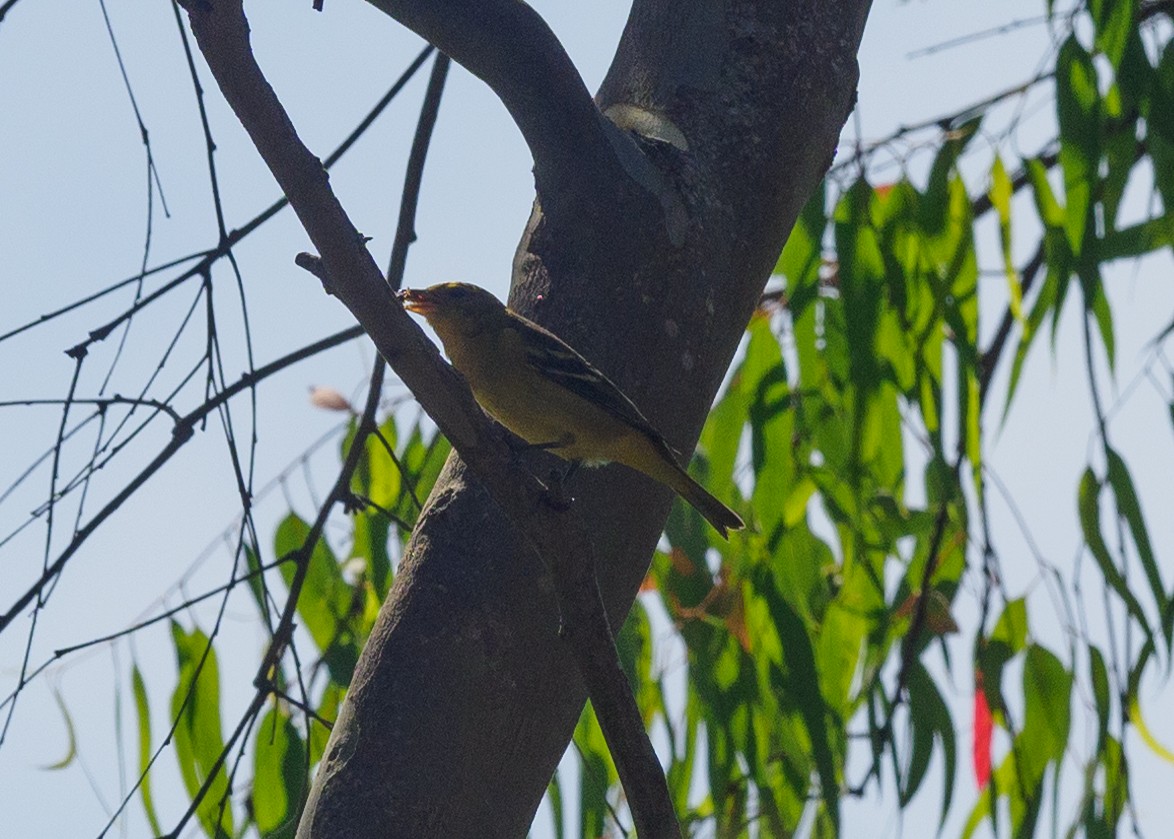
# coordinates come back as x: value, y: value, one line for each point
x: 715, y: 512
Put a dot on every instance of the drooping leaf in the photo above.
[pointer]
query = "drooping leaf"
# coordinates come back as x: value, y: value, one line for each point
x: 1097, y: 304
x: 722, y: 437
x: 324, y: 603
x: 1130, y: 507
x: 1114, y: 22
x: 934, y: 212
x: 764, y: 378
x: 554, y: 794
x: 143, y: 718
x: 1138, y: 239
x: 70, y: 735
x: 1078, y: 112
x: 1090, y: 524
x: 328, y: 707
x: 279, y: 775
x: 1047, y: 692
x: 802, y: 256
x: 798, y: 677
x: 1000, y: 194
x: 1046, y: 302
x: 1099, y: 680
x: 199, y: 742
x: 930, y: 718
x: 634, y: 644
x: 596, y: 775
x: 1133, y: 704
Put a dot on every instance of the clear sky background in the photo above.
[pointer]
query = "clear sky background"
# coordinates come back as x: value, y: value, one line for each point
x: 73, y: 218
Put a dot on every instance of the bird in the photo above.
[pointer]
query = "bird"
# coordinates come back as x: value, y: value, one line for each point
x: 545, y: 392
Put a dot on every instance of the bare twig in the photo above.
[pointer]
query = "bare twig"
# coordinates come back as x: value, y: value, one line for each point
x: 182, y: 432
x: 405, y: 231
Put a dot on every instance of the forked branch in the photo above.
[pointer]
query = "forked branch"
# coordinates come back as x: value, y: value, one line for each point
x: 352, y: 275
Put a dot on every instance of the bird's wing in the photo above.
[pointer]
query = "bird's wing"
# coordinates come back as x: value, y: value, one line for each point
x: 559, y: 362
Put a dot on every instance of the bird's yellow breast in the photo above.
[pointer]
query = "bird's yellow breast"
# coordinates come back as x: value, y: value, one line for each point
x: 538, y: 410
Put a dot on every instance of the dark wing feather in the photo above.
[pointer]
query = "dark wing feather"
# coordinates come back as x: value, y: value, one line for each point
x: 558, y: 361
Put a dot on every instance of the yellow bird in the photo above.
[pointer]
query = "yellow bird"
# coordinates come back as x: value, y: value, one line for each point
x: 538, y: 387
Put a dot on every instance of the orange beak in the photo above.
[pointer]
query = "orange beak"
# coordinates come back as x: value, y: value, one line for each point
x: 418, y: 300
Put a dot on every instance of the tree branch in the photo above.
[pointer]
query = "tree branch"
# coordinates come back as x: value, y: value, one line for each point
x: 509, y: 46
x: 559, y: 535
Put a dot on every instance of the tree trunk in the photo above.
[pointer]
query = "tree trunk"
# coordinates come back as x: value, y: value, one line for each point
x: 648, y: 255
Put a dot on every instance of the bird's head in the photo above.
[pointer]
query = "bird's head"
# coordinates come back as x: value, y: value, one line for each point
x: 454, y: 307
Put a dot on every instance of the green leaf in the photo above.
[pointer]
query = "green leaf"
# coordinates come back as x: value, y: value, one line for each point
x: 1133, y: 706
x: 722, y: 437
x: 1045, y: 302
x: 848, y: 636
x: 1011, y: 629
x: 1143, y: 730
x: 1114, y: 23
x: 862, y: 274
x: 370, y: 533
x: 1135, y: 74
x: 597, y: 775
x: 802, y: 256
x: 1130, y: 507
x: 679, y: 774
x: 279, y: 776
x: 1046, y: 204
x: 1000, y: 195
x: 934, y: 215
x: 894, y: 346
x: 325, y: 598
x: 1099, y: 681
x: 882, y: 444
x: 143, y: 716
x: 772, y: 424
x: 1161, y: 151
x: 1047, y: 694
x: 199, y: 743
x: 1008, y: 639
x: 554, y: 794
x: 1047, y: 690
x: 327, y: 709
x: 1133, y: 703
x: 1090, y: 524
x: 1138, y: 239
x: 798, y: 678
x: 930, y: 718
x: 1078, y: 112
x: 1121, y: 154
x: 1115, y: 797
x: 381, y: 478
x: 634, y: 645
x: 1097, y: 303
x: 70, y: 734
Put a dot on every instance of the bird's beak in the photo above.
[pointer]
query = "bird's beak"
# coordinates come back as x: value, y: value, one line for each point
x: 418, y: 300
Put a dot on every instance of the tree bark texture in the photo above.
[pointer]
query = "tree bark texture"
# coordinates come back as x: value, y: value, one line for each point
x: 646, y: 253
